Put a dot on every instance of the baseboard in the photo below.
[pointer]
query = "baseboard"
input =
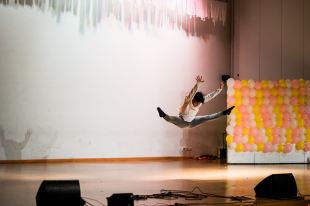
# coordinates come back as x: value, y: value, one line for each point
x: 95, y: 160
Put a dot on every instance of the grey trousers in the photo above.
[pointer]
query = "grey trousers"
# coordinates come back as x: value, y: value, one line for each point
x: 178, y: 121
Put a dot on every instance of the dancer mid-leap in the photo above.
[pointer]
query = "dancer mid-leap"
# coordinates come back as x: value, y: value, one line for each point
x: 189, y: 109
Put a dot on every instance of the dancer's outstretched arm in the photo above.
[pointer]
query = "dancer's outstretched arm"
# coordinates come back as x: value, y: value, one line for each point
x: 192, y: 93
x: 213, y: 94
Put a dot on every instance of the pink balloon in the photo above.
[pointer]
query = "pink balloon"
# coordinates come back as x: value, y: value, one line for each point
x: 258, y: 139
x: 267, y: 92
x: 258, y: 85
x: 286, y: 116
x: 276, y: 131
x: 242, y: 108
x: 281, y: 91
x: 294, y: 101
x: 238, y: 139
x: 231, y: 100
x: 307, y: 123
x: 266, y: 116
x: 268, y: 123
x: 287, y: 148
x: 238, y: 131
x: 253, y: 131
x: 276, y: 140
x: 237, y: 84
x: 268, y: 147
x: 283, y: 108
x: 307, y: 147
x: 247, y: 124
x: 296, y: 131
x: 252, y: 100
x: 273, y: 100
x: 295, y: 139
x: 302, y: 91
x: 247, y: 147
x: 245, y: 92
x: 295, y: 84
x: 286, y: 124
x: 302, y: 109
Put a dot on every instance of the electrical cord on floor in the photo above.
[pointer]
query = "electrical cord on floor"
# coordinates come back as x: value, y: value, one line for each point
x: 188, y: 195
x: 93, y: 200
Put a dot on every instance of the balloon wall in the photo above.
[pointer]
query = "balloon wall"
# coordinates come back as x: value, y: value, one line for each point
x: 270, y: 116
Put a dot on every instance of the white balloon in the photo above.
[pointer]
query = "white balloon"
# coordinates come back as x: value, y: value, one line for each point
x: 232, y: 145
x: 230, y: 130
x: 230, y: 82
x: 251, y: 84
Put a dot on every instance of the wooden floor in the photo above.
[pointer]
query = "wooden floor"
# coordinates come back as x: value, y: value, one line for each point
x: 19, y: 182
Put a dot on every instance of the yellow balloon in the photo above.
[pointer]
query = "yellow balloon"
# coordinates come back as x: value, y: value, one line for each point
x: 300, y: 123
x: 295, y: 93
x: 264, y: 84
x: 251, y: 139
x: 276, y: 109
x: 245, y: 131
x: 260, y: 125
x: 281, y: 148
x: 289, y: 132
x: 259, y: 93
x: 244, y: 83
x: 229, y: 139
x: 282, y: 83
x: 300, y: 146
x: 274, y: 92
x: 279, y: 100
x: 269, y: 138
x: 238, y: 102
x: 260, y: 147
x: 269, y: 131
x: 296, y: 109
x: 301, y: 100
x: 239, y: 148
x: 237, y: 93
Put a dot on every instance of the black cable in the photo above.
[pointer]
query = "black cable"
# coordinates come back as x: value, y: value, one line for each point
x: 93, y: 200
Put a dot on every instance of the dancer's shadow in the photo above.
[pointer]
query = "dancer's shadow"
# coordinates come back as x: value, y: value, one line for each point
x: 13, y: 149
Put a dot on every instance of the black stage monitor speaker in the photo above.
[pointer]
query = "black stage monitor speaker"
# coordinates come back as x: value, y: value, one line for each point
x: 121, y: 199
x: 60, y: 193
x: 225, y: 77
x: 277, y: 186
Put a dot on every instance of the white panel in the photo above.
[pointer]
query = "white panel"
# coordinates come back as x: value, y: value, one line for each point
x: 248, y: 39
x: 240, y: 157
x: 292, y: 157
x: 292, y: 42
x: 261, y: 157
x: 270, y: 39
x: 307, y: 39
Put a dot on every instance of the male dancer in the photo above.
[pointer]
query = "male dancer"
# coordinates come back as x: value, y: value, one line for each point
x: 189, y: 109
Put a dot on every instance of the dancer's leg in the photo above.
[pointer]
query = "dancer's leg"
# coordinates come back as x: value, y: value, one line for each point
x: 178, y: 121
x: 173, y: 119
x: 201, y: 119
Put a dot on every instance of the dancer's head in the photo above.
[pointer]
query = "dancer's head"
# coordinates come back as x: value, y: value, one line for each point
x: 198, y: 98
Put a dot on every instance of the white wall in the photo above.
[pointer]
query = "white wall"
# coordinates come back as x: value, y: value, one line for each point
x: 271, y: 39
x: 93, y: 94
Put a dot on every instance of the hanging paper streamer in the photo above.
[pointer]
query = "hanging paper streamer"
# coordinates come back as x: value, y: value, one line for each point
x: 270, y: 116
x: 195, y: 17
